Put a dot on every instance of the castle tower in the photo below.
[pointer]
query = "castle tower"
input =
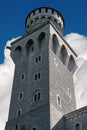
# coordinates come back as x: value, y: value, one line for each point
x: 43, y: 88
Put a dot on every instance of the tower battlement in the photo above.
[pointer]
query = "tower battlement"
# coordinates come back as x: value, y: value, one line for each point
x: 40, y: 15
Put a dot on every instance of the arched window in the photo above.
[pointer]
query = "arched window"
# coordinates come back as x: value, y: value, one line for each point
x: 31, y: 22
x: 19, y: 113
x: 71, y: 63
x: 55, y: 44
x: 18, y: 52
x: 36, y: 18
x: 29, y: 47
x: 34, y: 128
x: 37, y: 76
x: 36, y: 96
x: 77, y: 127
x: 41, y: 39
x: 16, y: 127
x: 22, y: 77
x: 20, y: 96
x: 43, y: 17
x: 63, y: 54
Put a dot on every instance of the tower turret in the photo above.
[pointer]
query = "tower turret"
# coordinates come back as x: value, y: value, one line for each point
x: 40, y: 15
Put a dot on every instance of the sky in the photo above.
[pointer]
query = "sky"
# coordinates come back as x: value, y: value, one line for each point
x: 12, y: 25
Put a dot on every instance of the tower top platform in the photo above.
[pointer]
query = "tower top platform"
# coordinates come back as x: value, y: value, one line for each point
x: 41, y: 15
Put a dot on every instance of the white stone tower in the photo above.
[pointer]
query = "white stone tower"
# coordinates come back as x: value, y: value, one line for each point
x: 43, y: 88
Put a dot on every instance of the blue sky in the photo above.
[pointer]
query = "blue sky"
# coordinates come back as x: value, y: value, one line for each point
x: 13, y: 14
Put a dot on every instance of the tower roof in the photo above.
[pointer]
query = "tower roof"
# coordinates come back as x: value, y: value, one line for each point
x: 40, y: 15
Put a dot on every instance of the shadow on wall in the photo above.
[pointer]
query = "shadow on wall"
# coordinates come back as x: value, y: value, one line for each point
x: 60, y: 125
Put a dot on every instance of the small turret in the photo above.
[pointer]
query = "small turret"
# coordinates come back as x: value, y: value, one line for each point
x: 41, y: 15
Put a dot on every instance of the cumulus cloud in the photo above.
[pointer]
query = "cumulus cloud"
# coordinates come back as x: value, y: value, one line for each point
x: 6, y: 80
x: 78, y: 43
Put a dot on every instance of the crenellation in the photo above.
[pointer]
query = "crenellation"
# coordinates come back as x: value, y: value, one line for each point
x: 46, y: 13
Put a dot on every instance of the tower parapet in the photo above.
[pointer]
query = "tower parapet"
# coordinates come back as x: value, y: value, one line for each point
x: 41, y: 15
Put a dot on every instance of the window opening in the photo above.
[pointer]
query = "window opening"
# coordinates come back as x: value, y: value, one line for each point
x: 29, y: 47
x: 16, y: 127
x: 77, y: 127
x: 19, y: 113
x: 38, y: 75
x: 22, y: 76
x: 35, y: 98
x: 36, y: 59
x: 35, y: 76
x: 21, y: 96
x: 34, y: 129
x: 41, y: 39
x: 27, y: 26
x: 31, y: 22
x: 55, y: 44
x: 43, y: 17
x: 36, y: 18
x: 71, y: 63
x: 63, y: 54
x: 39, y: 96
x: 39, y: 58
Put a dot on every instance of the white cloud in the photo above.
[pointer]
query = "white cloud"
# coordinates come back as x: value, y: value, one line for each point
x: 78, y: 43
x: 6, y: 79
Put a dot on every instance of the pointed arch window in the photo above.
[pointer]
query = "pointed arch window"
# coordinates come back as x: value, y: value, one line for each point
x: 38, y: 59
x: 41, y: 39
x: 20, y: 96
x: 36, y: 96
x: 19, y: 112
x: 37, y: 76
x: 29, y: 47
x: 77, y: 127
x: 55, y: 44
x: 63, y: 54
x: 16, y: 127
x: 34, y: 128
x: 71, y: 63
